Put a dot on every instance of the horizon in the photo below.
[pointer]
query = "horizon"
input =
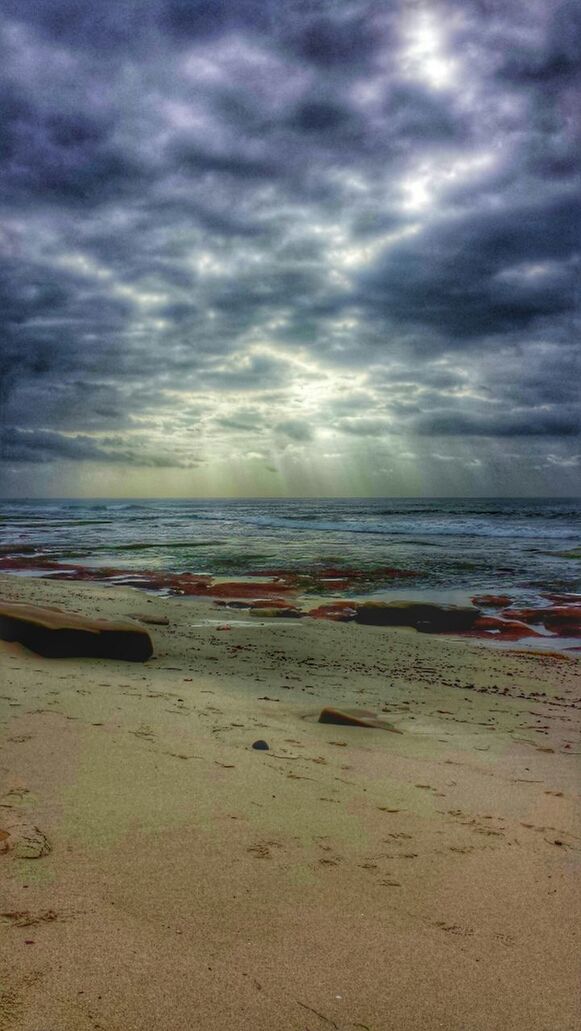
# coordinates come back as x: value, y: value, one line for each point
x: 310, y: 250
x: 304, y: 497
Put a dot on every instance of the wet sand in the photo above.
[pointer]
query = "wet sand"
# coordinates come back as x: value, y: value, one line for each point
x: 163, y: 874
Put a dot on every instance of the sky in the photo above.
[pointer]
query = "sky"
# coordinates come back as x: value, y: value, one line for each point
x: 319, y: 247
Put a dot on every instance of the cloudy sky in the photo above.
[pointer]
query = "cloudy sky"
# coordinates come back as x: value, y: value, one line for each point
x: 253, y: 247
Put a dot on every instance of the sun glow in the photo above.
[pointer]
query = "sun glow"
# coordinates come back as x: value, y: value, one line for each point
x: 425, y: 55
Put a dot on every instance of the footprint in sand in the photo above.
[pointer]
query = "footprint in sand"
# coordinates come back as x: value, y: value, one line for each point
x: 464, y: 932
x: 23, y: 840
x: 25, y: 918
x: 262, y: 849
x: 144, y: 732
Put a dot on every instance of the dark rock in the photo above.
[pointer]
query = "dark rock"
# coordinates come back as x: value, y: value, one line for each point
x: 425, y: 616
x: 354, y: 718
x: 261, y: 746
x: 57, y: 634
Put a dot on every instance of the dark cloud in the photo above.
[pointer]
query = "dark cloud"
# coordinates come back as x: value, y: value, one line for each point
x: 528, y: 424
x: 44, y: 446
x: 485, y: 272
x: 550, y: 57
x: 210, y: 208
x: 296, y: 429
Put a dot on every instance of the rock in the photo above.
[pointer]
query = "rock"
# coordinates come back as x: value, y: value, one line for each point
x: 321, y: 579
x: 501, y: 629
x: 354, y: 718
x: 563, y: 599
x: 562, y: 620
x: 424, y: 616
x: 338, y: 611
x: 525, y: 615
x: 154, y: 620
x: 492, y: 601
x: 261, y: 746
x: 57, y: 634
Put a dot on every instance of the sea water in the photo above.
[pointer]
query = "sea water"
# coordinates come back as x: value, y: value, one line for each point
x: 455, y: 547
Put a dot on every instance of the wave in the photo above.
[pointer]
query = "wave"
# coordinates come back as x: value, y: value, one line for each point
x: 450, y: 529
x: 505, y: 513
x: 158, y: 545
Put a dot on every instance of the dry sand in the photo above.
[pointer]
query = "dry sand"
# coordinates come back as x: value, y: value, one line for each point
x: 346, y: 879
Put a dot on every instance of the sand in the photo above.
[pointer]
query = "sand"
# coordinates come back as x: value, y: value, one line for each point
x: 169, y: 876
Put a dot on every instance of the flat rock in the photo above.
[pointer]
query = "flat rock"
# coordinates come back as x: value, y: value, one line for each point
x: 337, y: 611
x: 57, y: 634
x: 492, y: 601
x: 562, y: 620
x: 501, y: 629
x: 354, y: 718
x: 144, y: 617
x: 425, y: 616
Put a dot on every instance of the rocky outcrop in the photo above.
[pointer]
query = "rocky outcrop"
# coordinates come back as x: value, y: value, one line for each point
x: 57, y: 634
x: 424, y: 616
x: 501, y: 629
x: 491, y: 601
x: 338, y: 611
x: 561, y: 620
x: 276, y: 612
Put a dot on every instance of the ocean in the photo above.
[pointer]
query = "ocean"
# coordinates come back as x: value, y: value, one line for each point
x: 453, y: 547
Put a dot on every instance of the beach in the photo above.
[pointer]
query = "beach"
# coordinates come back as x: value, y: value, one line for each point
x: 168, y: 875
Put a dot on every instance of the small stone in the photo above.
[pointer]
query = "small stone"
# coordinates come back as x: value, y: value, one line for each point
x: 260, y: 745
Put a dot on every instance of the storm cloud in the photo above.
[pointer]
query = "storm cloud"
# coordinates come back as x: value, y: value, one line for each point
x: 249, y: 234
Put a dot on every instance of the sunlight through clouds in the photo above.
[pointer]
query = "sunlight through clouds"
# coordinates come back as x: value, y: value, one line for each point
x: 284, y: 249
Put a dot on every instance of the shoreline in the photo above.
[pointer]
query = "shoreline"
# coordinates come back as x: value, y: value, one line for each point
x: 346, y: 876
x: 553, y: 621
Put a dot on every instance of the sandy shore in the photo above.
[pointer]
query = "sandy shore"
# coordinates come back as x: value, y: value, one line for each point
x: 346, y: 878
